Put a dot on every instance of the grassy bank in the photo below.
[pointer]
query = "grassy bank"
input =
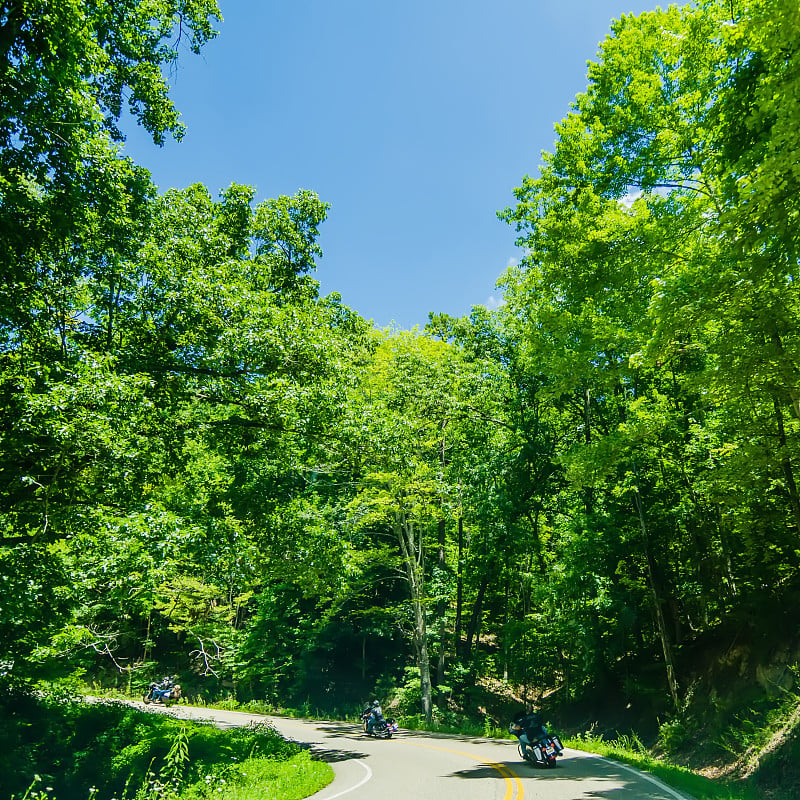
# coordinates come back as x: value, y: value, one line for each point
x: 254, y: 779
x: 55, y: 748
x: 630, y: 751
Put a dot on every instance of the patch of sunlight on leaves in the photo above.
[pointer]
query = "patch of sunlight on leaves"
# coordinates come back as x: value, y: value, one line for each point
x: 268, y: 779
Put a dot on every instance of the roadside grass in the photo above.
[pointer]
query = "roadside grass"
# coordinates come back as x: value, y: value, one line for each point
x: 299, y: 777
x: 62, y: 749
x: 630, y: 751
x: 265, y: 779
x: 254, y: 779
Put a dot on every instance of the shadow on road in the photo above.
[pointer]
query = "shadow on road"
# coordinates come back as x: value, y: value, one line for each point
x: 482, y: 771
x: 340, y: 729
x: 343, y: 730
x: 332, y: 756
x: 620, y: 782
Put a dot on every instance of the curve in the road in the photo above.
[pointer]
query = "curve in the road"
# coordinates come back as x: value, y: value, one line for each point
x: 357, y: 785
x: 511, y: 779
x: 655, y: 781
x: 351, y: 781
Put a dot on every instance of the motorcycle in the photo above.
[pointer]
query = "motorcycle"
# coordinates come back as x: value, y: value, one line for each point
x: 382, y: 728
x: 542, y: 751
x: 164, y: 692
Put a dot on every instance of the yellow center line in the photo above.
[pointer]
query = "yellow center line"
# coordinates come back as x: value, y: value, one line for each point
x: 509, y: 776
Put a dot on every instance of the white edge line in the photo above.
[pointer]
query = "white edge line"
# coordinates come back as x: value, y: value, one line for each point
x: 661, y: 785
x: 360, y: 783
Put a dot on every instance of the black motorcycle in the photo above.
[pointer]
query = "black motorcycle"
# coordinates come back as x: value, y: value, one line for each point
x: 382, y: 728
x: 544, y: 752
x: 543, y: 749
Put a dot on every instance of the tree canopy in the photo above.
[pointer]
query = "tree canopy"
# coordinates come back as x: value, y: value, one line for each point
x: 208, y: 467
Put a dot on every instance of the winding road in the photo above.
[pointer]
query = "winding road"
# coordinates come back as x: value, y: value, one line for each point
x: 427, y: 766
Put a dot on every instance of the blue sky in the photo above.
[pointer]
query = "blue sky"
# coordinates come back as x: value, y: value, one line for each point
x: 414, y: 120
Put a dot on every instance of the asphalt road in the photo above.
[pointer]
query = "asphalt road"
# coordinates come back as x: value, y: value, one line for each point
x: 423, y: 766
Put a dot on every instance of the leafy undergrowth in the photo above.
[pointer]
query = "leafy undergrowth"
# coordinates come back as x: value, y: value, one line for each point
x: 741, y: 722
x: 57, y: 748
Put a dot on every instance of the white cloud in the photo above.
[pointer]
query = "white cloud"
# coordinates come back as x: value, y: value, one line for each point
x: 493, y: 302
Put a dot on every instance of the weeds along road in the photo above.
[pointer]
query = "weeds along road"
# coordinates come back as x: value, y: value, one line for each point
x: 426, y: 766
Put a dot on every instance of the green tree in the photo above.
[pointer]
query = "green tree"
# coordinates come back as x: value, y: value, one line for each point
x: 66, y: 69
x: 659, y: 303
x: 413, y: 401
x: 71, y: 211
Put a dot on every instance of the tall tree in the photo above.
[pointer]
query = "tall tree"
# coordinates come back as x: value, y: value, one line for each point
x: 66, y: 70
x: 415, y: 398
x: 660, y: 301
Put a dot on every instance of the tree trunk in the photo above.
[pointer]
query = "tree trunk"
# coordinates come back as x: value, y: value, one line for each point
x: 413, y: 550
x: 588, y: 493
x: 442, y: 612
x: 423, y: 661
x: 506, y: 637
x: 786, y: 465
x: 726, y: 552
x: 363, y: 659
x: 459, y: 585
x: 537, y: 544
x: 474, y: 623
x: 657, y: 600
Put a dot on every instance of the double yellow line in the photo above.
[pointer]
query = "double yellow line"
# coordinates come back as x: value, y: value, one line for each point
x: 511, y: 778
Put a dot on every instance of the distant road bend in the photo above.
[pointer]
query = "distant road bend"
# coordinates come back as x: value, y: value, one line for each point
x: 425, y: 766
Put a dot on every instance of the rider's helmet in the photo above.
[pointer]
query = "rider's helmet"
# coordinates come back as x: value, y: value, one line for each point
x: 375, y: 703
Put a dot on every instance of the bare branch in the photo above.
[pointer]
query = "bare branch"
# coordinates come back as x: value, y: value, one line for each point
x: 201, y: 652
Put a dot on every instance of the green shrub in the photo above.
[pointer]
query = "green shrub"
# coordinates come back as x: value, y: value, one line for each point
x: 671, y: 736
x: 76, y: 746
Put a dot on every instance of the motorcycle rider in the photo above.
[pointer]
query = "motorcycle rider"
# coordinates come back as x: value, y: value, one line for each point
x: 528, y: 728
x: 165, y: 687
x: 375, y: 713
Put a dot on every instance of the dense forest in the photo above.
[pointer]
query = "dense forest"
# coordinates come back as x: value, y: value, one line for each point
x: 209, y: 469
